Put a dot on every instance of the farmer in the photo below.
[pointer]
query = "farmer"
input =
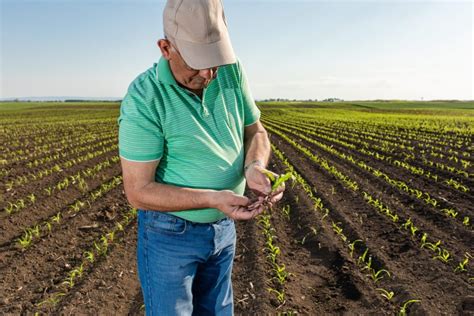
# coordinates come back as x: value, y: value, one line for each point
x: 189, y: 140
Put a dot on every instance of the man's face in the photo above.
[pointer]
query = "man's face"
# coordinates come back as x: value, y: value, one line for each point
x: 194, y: 79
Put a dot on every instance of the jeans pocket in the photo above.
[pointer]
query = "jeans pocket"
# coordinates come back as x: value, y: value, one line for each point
x: 164, y: 223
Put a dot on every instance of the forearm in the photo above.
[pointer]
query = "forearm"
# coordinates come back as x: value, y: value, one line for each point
x: 164, y: 197
x: 257, y: 147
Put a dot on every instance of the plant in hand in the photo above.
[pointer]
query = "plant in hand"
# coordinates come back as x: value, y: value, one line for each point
x: 265, y: 199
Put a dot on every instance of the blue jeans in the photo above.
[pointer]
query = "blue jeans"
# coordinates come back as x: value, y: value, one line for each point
x: 184, y: 267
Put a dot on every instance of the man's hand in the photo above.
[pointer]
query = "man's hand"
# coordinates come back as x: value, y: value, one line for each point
x: 259, y: 183
x: 232, y: 205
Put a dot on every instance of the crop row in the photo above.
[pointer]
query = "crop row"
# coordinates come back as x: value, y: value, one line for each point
x: 394, y: 217
x: 444, y: 207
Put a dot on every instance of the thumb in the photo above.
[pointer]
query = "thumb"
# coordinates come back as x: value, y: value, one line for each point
x: 240, y: 200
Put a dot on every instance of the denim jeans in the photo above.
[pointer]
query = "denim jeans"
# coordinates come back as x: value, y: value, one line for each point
x: 184, y: 267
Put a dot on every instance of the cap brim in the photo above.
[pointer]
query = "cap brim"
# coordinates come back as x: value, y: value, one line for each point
x: 204, y: 56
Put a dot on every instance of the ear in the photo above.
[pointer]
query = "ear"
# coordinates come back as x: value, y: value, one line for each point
x: 165, y: 48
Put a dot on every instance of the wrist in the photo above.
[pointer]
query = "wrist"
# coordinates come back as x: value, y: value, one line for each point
x: 210, y: 199
x: 256, y: 162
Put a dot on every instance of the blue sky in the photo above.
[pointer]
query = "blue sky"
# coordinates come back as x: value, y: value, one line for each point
x: 290, y: 49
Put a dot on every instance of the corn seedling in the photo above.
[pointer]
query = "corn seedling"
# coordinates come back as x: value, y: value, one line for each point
x: 362, y: 258
x: 89, y: 256
x: 32, y: 198
x: 466, y: 221
x: 413, y: 230
x: 444, y: 256
x: 423, y: 239
x: 49, y: 191
x: 368, y: 265
x: 434, y: 247
x: 9, y: 208
x: 25, y: 240
x: 403, y: 308
x: 281, y: 273
x: 48, y: 226
x: 352, y: 246
x: 376, y: 276
x: 111, y: 236
x: 53, y: 300
x: 119, y: 227
x: 56, y: 218
x: 286, y: 211
x: 387, y: 294
x: 280, y: 295
x: 461, y: 267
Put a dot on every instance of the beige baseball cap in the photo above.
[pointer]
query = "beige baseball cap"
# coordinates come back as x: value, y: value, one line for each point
x: 198, y: 29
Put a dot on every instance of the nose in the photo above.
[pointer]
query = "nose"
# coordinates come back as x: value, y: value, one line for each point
x: 206, y: 73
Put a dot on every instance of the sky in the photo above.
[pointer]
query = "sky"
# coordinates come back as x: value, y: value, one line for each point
x: 353, y: 50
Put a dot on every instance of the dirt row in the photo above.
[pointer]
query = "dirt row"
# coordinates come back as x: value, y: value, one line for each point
x: 68, y: 152
x: 438, y: 188
x: 45, y: 264
x: 38, y: 186
x: 11, y: 226
x: 431, y: 281
x: 432, y: 220
x: 400, y: 155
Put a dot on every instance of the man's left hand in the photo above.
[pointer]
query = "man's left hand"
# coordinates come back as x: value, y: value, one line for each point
x: 259, y: 183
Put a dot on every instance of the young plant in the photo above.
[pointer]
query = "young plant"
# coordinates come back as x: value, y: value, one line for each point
x: 387, y: 294
x: 403, y: 308
x: 462, y: 265
x: 376, y: 276
x: 352, y: 246
x: 279, y: 294
x: 444, y: 256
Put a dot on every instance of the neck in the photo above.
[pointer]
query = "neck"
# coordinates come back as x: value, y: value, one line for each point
x: 197, y: 92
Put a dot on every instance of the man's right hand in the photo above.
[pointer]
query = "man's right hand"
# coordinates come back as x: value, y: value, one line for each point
x: 232, y: 205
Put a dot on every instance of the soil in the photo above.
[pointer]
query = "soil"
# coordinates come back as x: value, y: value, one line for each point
x: 326, y: 277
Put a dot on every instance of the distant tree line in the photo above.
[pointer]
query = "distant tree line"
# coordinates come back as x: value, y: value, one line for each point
x: 301, y: 100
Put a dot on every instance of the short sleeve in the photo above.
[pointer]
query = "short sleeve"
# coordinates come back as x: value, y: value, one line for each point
x: 251, y: 111
x: 140, y: 133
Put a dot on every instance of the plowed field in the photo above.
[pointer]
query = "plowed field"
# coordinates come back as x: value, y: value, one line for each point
x: 377, y: 221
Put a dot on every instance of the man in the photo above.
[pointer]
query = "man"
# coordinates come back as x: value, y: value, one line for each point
x: 188, y: 126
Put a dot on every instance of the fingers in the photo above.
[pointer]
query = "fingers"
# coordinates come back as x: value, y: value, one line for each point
x: 240, y: 200
x: 276, y: 198
x: 241, y: 213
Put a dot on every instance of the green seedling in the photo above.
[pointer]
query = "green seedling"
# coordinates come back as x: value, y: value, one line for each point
x: 280, y: 273
x: 56, y: 218
x: 466, y: 221
x: 362, y: 258
x: 387, y: 294
x: 278, y: 180
x: 279, y: 294
x: 89, y: 256
x: 286, y: 211
x: 423, y: 239
x: 48, y: 226
x: 352, y: 246
x: 368, y: 265
x: 377, y: 276
x: 403, y: 308
x: 25, y: 240
x: 434, y: 247
x: 462, y: 265
x: 444, y: 256
x: 53, y: 300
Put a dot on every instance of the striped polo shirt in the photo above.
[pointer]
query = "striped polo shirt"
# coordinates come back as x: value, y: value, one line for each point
x: 199, y: 142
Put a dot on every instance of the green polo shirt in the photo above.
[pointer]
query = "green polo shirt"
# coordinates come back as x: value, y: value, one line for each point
x: 199, y: 142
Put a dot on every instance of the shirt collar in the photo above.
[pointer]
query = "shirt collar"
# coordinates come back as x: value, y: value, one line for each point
x: 164, y: 72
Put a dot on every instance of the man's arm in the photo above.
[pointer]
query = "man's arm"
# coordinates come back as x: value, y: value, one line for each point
x: 257, y: 154
x: 144, y: 193
x: 257, y: 145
